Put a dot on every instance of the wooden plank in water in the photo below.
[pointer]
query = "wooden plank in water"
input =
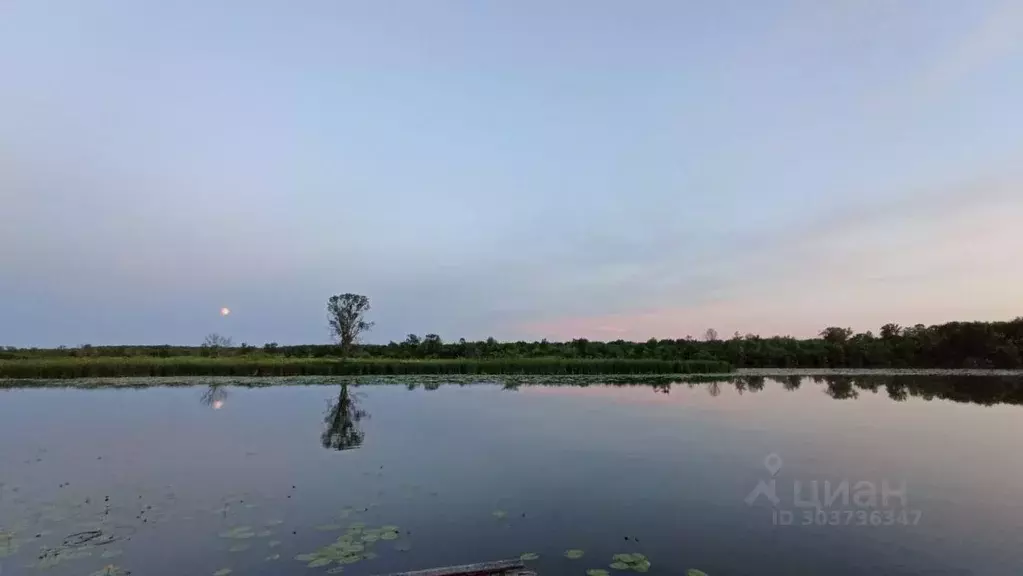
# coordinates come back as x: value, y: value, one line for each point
x: 480, y: 569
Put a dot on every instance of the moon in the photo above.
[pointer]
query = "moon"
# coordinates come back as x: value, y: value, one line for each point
x: 225, y: 311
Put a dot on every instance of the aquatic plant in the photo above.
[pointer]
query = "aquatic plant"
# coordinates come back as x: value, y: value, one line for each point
x: 573, y: 554
x: 635, y: 562
x: 351, y: 547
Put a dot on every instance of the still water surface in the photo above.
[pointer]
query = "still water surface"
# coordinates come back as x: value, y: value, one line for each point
x: 196, y: 480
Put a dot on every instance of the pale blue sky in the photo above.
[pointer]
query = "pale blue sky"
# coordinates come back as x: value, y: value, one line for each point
x: 521, y: 169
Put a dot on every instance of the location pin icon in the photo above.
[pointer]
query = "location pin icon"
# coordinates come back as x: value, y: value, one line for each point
x: 773, y: 463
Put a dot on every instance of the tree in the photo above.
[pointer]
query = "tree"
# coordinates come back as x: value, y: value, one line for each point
x: 214, y: 342
x: 711, y: 335
x: 432, y: 344
x: 347, y: 316
x: 836, y: 335
x: 890, y: 331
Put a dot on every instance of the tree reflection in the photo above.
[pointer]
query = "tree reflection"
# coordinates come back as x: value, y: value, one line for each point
x: 214, y: 396
x: 792, y: 382
x: 841, y: 387
x: 342, y: 420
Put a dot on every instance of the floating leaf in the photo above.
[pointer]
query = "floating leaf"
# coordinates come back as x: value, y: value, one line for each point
x: 499, y: 514
x: 625, y: 558
x: 370, y: 538
x: 109, y: 570
x: 222, y: 572
x: 574, y: 554
x: 695, y: 572
x: 274, y: 522
x: 641, y: 567
x: 597, y: 572
x: 620, y: 566
x: 75, y: 554
x: 350, y: 559
x: 389, y: 528
x: 320, y: 562
x: 273, y: 557
x: 239, y: 532
x: 369, y: 556
x: 328, y: 527
x: 389, y: 536
x: 352, y: 548
x: 273, y: 543
x: 305, y: 557
x: 529, y: 556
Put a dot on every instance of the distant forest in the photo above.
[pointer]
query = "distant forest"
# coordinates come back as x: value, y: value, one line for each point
x: 951, y: 345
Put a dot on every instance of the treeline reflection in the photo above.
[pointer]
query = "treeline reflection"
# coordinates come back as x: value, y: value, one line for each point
x: 986, y: 391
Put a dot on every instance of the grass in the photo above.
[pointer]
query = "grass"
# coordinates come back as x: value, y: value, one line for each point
x: 106, y: 367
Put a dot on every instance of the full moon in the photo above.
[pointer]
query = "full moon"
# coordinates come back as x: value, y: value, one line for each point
x: 225, y: 311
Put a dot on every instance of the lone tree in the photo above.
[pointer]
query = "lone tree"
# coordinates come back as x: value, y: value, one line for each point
x: 347, y: 316
x: 215, y: 342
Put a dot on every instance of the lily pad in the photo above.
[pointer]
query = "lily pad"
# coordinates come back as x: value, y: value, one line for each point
x: 389, y: 536
x: 274, y: 543
x: 9, y: 545
x: 305, y: 557
x: 328, y: 527
x: 274, y: 522
x: 273, y: 557
x: 350, y: 559
x: 370, y: 538
x: 529, y: 556
x: 109, y: 570
x: 695, y: 572
x: 626, y: 558
x: 597, y: 572
x: 222, y: 572
x: 499, y: 514
x: 620, y: 566
x: 319, y: 562
x: 574, y: 554
x: 389, y: 528
x: 369, y: 556
x: 238, y: 532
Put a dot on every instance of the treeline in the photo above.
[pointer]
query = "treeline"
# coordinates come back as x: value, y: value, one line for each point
x: 951, y: 345
x: 149, y: 366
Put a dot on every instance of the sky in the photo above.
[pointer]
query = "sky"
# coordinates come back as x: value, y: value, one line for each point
x: 519, y: 169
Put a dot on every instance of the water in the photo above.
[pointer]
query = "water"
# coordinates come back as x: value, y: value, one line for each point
x: 479, y: 472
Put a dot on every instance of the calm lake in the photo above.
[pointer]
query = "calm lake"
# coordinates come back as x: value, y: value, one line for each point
x: 912, y: 475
